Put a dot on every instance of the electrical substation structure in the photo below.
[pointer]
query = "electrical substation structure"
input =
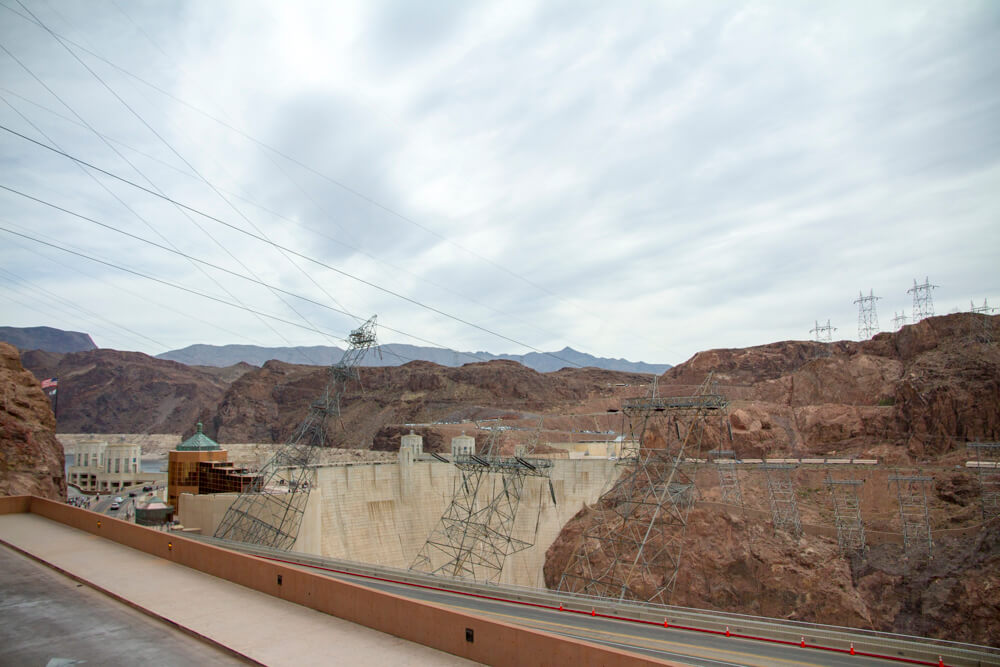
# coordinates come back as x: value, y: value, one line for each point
x: 729, y: 477
x: 847, y: 514
x: 913, y: 514
x: 923, y: 302
x: 781, y: 497
x: 632, y: 551
x: 988, y: 466
x: 980, y: 327
x: 269, y: 512
x: 867, y: 317
x: 824, y: 333
x: 475, y: 534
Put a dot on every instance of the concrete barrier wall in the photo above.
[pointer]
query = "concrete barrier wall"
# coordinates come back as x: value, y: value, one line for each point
x: 493, y: 642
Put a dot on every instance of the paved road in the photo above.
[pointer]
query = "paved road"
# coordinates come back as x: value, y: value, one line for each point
x: 655, y: 641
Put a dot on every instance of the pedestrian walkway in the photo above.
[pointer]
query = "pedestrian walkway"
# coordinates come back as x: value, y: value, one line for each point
x: 260, y: 627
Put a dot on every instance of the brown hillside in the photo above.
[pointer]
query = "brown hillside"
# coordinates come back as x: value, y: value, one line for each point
x: 266, y: 404
x: 31, y: 459
x: 913, y: 399
x: 107, y: 391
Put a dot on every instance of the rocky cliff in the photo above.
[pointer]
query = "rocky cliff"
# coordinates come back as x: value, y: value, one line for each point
x: 907, y: 396
x: 31, y: 459
x: 913, y: 398
x: 266, y: 404
x: 107, y: 391
x: 47, y: 338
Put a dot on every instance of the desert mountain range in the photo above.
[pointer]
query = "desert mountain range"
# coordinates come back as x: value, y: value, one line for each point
x: 912, y: 399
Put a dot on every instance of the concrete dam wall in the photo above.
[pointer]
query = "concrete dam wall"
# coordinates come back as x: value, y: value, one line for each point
x: 382, y: 513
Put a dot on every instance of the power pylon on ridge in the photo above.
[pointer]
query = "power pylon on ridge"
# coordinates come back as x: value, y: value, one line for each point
x: 269, y: 512
x: 898, y: 320
x: 633, y: 549
x: 824, y: 334
x: 980, y: 328
x: 474, y: 536
x: 923, y: 302
x: 867, y: 317
x: 781, y: 497
x: 729, y: 476
x: 847, y: 513
x: 988, y: 466
x: 913, y: 513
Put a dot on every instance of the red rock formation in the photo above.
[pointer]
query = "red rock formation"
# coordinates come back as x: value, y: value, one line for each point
x: 107, y: 391
x: 31, y: 459
x: 911, y: 397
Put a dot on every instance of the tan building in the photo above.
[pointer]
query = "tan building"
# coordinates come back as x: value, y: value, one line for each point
x: 102, y: 466
x: 463, y: 445
x: 182, y: 464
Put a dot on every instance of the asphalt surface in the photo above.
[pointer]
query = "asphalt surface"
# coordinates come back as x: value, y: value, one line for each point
x: 684, y: 646
x: 49, y: 619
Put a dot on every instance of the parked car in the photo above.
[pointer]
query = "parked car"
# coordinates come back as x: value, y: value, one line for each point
x: 131, y: 494
x: 147, y: 488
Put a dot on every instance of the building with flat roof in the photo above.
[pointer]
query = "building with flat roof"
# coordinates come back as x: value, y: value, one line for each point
x: 99, y: 465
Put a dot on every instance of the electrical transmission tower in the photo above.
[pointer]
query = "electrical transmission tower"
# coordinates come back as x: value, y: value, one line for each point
x: 913, y: 513
x: 867, y: 317
x: 824, y: 334
x: 781, y: 496
x: 847, y: 514
x: 729, y: 476
x: 980, y: 328
x: 923, y: 303
x: 474, y: 536
x: 988, y: 465
x: 898, y: 320
x: 633, y: 549
x: 269, y: 512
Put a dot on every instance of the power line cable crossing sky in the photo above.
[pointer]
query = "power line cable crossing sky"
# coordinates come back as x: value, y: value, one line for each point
x: 639, y: 180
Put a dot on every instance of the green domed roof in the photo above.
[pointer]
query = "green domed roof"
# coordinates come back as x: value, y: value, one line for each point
x: 199, y: 442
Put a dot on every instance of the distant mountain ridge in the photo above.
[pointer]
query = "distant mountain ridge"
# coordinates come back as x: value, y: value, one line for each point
x: 47, y: 338
x: 394, y: 354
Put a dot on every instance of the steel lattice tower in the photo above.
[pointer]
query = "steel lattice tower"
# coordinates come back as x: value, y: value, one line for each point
x: 867, y: 317
x: 632, y: 550
x: 729, y: 476
x: 980, y: 329
x: 474, y: 536
x: 847, y: 514
x: 824, y: 334
x: 781, y: 497
x: 269, y: 512
x: 898, y: 320
x: 913, y: 513
x: 988, y: 466
x: 923, y: 303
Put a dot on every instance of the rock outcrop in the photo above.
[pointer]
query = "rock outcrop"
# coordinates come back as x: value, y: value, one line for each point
x: 107, y: 391
x: 911, y: 398
x: 912, y: 395
x: 31, y: 459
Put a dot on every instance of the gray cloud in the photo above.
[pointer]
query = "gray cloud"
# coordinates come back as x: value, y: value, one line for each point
x: 642, y: 181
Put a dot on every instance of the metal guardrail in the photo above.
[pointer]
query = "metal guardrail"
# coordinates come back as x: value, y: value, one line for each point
x: 899, y: 646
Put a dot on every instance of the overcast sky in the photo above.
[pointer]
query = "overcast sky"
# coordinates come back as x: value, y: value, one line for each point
x: 644, y: 180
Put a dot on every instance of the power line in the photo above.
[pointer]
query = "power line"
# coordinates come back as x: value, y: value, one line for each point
x: 138, y: 171
x: 318, y: 232
x: 297, y: 162
x: 145, y: 298
x: 289, y: 250
x: 202, y: 294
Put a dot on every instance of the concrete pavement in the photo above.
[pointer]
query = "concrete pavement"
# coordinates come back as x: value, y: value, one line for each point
x: 261, y: 627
